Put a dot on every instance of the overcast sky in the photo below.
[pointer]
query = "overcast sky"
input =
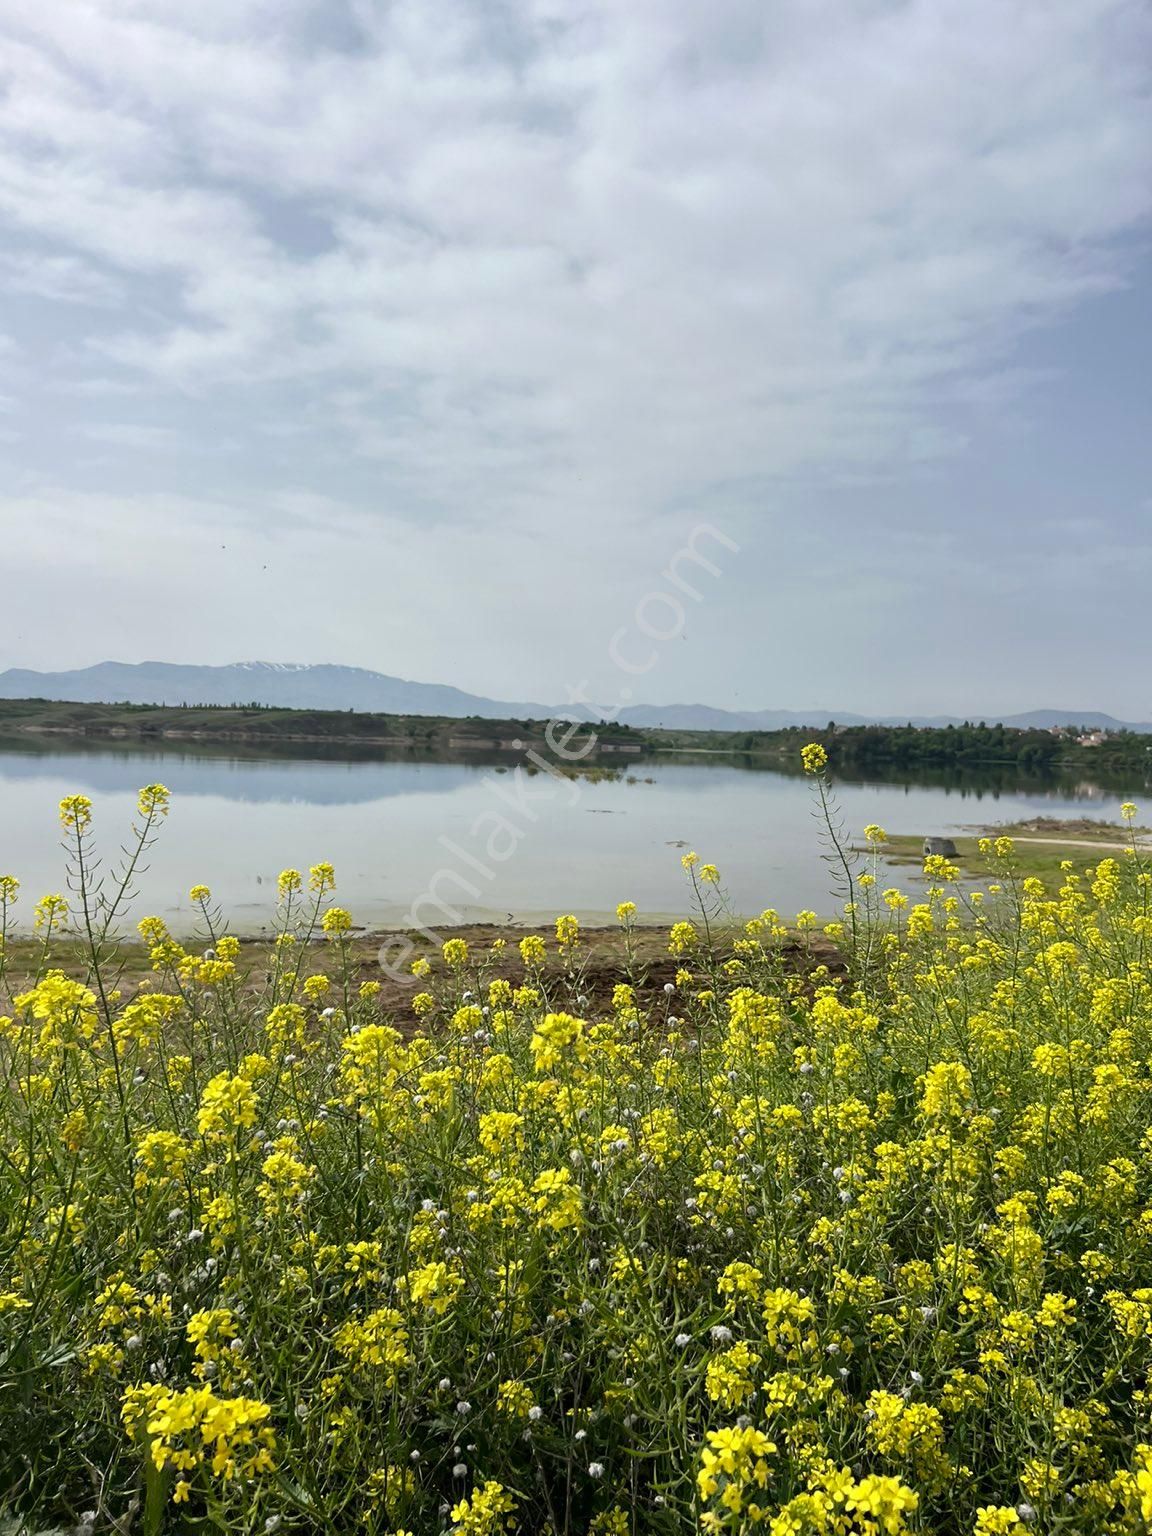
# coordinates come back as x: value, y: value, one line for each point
x: 420, y: 334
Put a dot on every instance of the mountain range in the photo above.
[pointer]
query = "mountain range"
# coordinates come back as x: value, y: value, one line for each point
x: 356, y: 688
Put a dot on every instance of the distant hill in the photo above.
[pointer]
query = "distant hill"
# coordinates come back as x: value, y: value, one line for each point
x: 330, y: 687
x: 705, y: 717
x: 257, y: 682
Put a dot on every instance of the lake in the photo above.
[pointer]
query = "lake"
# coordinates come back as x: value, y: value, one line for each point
x: 485, y: 840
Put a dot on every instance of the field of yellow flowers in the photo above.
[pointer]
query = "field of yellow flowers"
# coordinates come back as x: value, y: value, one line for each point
x: 792, y: 1254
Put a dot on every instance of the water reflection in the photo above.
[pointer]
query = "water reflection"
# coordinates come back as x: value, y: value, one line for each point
x: 315, y: 774
x: 395, y: 823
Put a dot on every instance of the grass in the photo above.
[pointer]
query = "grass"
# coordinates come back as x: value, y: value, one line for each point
x: 902, y: 853
x: 1073, y: 832
x: 1041, y: 847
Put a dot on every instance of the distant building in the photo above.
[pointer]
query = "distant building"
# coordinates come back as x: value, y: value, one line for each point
x: 944, y: 846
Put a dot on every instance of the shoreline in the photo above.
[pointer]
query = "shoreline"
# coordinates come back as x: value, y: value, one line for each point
x: 600, y: 960
x: 852, y: 750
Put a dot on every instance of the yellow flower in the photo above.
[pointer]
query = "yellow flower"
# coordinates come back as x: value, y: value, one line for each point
x: 884, y: 1501
x: 740, y: 1279
x: 682, y: 939
x: 213, y: 973
x: 76, y: 813
x: 321, y: 879
x: 567, y: 931
x: 814, y: 757
x: 200, y: 894
x: 500, y: 1129
x: 455, y: 952
x: 210, y: 1332
x: 228, y: 1104
x: 49, y: 911
x: 733, y: 1462
x: 186, y: 1429
x: 996, y: 1520
x: 289, y: 882
x: 947, y: 1091
x: 434, y: 1286
x: 732, y: 1377
x: 937, y: 867
x: 484, y: 1513
x: 532, y: 951
x: 892, y: 1208
x: 1056, y: 1311
x: 379, y: 1342
x: 556, y: 1034
x: 153, y: 800
x: 514, y: 1400
x: 74, y: 1130
x: 559, y: 1203
x: 920, y: 922
x: 1143, y: 1480
x: 153, y: 930
x: 162, y: 1157
x: 284, y: 1177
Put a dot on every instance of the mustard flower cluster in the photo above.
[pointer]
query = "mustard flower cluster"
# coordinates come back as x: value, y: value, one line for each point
x: 840, y: 1233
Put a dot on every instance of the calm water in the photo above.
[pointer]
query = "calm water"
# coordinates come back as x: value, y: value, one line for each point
x: 488, y: 843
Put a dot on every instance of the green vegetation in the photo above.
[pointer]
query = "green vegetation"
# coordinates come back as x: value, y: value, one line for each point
x: 857, y: 1248
x: 866, y: 750
x: 872, y: 748
x: 1030, y: 750
x: 257, y: 723
x: 1040, y: 858
x: 1074, y: 832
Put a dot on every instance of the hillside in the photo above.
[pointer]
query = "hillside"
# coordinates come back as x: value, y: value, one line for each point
x: 257, y: 723
x: 266, y: 683
x: 322, y: 687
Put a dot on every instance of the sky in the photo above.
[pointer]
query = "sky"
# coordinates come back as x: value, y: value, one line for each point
x: 422, y: 335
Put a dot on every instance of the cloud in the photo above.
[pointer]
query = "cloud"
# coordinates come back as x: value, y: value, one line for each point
x: 57, y: 279
x: 132, y: 434
x: 559, y: 268
x: 658, y: 246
